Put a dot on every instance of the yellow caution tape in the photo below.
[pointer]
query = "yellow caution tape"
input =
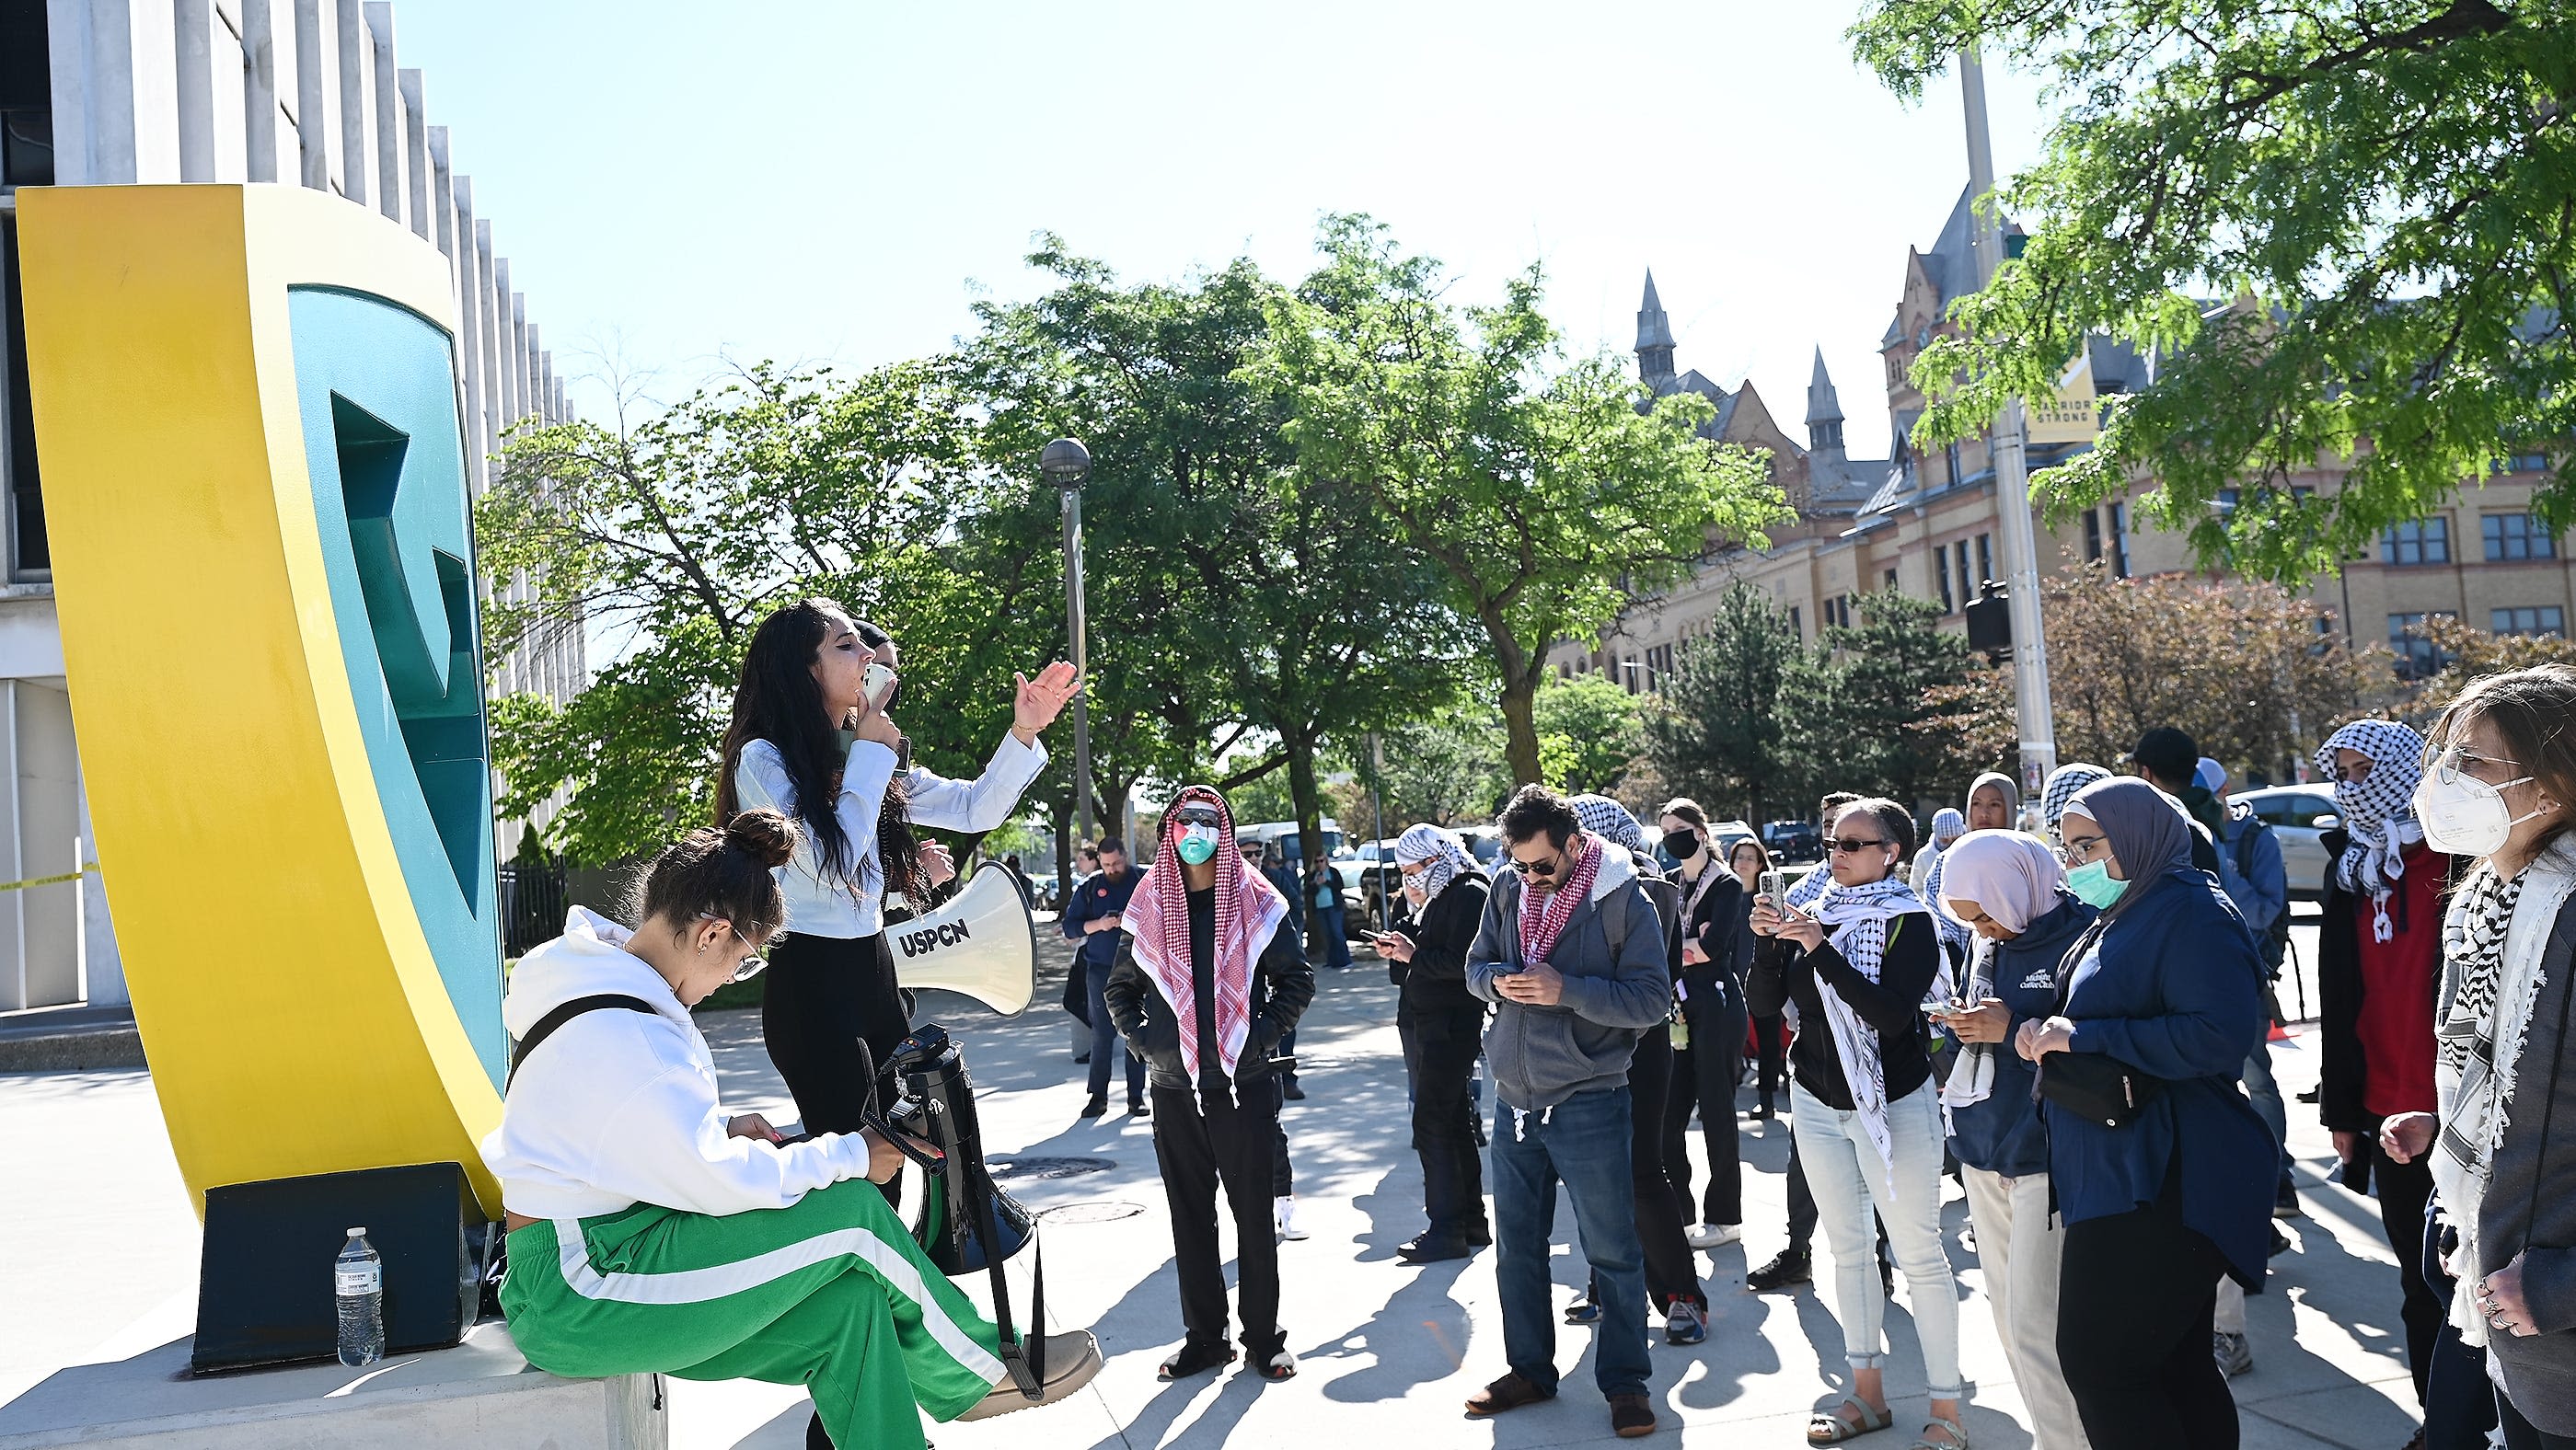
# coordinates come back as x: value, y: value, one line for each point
x: 49, y: 880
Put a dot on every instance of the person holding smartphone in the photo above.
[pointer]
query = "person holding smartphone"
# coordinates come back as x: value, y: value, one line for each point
x: 1445, y: 894
x: 1862, y: 1097
x: 813, y: 739
x: 1714, y: 912
x: 2009, y: 889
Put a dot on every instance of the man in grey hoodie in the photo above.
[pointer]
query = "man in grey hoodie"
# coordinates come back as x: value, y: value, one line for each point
x: 1572, y: 954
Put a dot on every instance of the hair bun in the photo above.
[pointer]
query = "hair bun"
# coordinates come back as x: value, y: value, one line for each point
x: 765, y: 836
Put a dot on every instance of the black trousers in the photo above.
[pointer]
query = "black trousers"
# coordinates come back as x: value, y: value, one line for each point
x: 2459, y: 1398
x: 2404, y: 1189
x: 2521, y: 1434
x: 1200, y: 1145
x: 1445, y: 1040
x: 2137, y: 1357
x: 820, y: 995
x: 1704, y: 1076
x: 1671, y: 1272
x: 1771, y: 1056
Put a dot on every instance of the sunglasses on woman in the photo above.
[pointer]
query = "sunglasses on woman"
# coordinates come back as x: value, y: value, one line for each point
x: 1854, y: 845
x: 750, y: 966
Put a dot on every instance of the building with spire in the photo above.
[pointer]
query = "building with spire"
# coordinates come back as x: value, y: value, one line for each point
x: 1923, y: 520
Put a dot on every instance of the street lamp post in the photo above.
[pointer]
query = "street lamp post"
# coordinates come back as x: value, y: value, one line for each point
x: 2037, y: 718
x: 1066, y: 463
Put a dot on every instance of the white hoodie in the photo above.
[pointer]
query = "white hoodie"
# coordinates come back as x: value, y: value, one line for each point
x: 618, y: 1108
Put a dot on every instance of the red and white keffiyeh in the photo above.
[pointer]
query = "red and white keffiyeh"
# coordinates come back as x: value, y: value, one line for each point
x: 1248, y: 910
x: 1544, y: 917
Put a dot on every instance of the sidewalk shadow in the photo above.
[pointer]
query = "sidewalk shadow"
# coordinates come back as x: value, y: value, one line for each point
x: 1421, y: 1335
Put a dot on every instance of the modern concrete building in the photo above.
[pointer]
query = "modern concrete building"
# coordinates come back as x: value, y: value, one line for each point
x: 123, y: 92
x: 1925, y: 521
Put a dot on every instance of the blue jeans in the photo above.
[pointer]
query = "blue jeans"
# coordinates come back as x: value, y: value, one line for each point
x: 1583, y: 1143
x: 1104, y: 1039
x: 2266, y: 1095
x: 1337, y: 942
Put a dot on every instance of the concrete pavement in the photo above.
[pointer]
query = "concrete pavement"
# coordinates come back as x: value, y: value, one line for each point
x: 97, y: 1248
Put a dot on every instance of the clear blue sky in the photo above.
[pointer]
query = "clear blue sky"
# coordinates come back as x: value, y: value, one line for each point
x: 680, y: 184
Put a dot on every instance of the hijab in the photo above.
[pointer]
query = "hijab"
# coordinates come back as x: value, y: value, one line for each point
x: 2012, y: 795
x: 2012, y: 874
x: 2148, y: 833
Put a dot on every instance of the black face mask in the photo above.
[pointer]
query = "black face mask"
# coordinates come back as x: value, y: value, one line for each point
x: 1682, y: 844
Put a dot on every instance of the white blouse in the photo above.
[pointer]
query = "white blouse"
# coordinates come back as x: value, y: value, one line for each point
x: 821, y: 902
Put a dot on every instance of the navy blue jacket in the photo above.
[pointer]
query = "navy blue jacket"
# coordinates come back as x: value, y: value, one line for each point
x: 2002, y: 1134
x: 2174, y: 987
x: 1098, y: 896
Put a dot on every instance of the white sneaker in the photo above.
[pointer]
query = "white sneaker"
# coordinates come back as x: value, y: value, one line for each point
x: 1285, y: 1210
x: 1715, y: 1235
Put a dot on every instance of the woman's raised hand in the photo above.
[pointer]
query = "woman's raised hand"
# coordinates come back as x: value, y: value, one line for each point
x: 1041, y: 700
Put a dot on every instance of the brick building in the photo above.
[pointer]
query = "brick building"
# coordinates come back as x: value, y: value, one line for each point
x: 1925, y: 520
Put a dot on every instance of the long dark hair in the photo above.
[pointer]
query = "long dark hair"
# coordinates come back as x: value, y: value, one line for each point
x: 779, y: 701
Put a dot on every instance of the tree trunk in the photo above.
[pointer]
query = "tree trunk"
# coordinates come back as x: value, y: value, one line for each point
x: 1520, y: 725
x: 1308, y: 798
x: 1058, y: 813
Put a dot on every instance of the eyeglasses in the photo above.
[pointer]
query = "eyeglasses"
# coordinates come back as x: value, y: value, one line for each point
x: 2452, y: 765
x: 750, y: 966
x: 1853, y: 845
x: 2079, y: 849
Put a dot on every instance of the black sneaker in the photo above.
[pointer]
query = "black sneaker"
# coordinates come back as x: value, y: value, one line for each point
x: 1140, y: 1109
x: 1787, y: 1268
x: 1480, y: 1234
x: 2285, y: 1199
x: 2280, y: 1244
x: 1292, y: 1092
x: 1095, y: 1107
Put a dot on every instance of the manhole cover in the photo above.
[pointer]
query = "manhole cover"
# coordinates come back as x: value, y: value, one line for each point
x: 1049, y: 1167
x: 1090, y: 1213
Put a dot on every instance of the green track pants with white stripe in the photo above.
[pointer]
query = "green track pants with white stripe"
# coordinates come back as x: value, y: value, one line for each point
x: 831, y: 1294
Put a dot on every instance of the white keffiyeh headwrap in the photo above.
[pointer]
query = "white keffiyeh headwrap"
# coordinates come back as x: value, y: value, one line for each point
x: 1442, y: 848
x: 2493, y: 938
x: 2378, y: 810
x: 1857, y: 918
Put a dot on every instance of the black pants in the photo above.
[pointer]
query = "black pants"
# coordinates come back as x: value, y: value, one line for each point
x: 1444, y: 1121
x: 2521, y: 1434
x: 2137, y: 1358
x: 1704, y: 1076
x: 1671, y: 1272
x: 1771, y: 1056
x: 1200, y: 1145
x: 2459, y: 1399
x: 819, y: 995
x: 2404, y: 1189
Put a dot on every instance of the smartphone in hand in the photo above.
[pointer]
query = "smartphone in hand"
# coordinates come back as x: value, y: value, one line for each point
x: 1771, y: 887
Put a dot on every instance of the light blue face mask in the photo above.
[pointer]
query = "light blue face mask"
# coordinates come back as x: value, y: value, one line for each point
x: 1197, y: 845
x: 2092, y: 885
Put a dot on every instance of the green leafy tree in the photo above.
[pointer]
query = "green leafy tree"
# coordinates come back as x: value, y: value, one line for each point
x: 1865, y: 708
x: 1536, y: 487
x: 1446, y: 769
x: 1263, y: 599
x: 2381, y: 184
x: 2467, y: 652
x: 673, y: 533
x: 1593, y: 729
x: 1721, y: 735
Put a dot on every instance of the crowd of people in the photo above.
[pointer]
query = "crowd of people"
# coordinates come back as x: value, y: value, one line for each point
x: 2064, y: 1004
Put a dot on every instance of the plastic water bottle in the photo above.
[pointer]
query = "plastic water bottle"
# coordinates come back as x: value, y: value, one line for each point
x: 358, y: 1278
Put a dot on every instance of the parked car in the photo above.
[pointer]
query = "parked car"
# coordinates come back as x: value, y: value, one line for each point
x: 1370, y: 874
x: 1283, y: 834
x: 1793, y: 841
x: 2298, y: 814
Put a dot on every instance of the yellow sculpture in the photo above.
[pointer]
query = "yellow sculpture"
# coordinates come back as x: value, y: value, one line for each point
x: 244, y: 401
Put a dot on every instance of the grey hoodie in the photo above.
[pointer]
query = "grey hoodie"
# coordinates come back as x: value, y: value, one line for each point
x: 1543, y: 1055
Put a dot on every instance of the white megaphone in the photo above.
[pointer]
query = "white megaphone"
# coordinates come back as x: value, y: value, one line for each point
x: 983, y: 943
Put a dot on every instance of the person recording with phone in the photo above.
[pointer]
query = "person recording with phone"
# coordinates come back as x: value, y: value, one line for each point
x: 1865, y: 1107
x: 2010, y: 890
x: 1707, y: 1069
x: 1443, y: 1021
x: 812, y: 737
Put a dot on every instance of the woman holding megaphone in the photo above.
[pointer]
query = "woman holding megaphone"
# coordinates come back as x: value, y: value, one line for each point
x: 813, y: 738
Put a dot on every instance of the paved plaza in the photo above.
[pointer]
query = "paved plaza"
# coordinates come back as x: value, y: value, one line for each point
x: 100, y: 1260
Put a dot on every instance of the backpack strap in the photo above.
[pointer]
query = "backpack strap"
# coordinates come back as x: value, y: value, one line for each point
x: 547, y: 1025
x: 1615, y: 926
